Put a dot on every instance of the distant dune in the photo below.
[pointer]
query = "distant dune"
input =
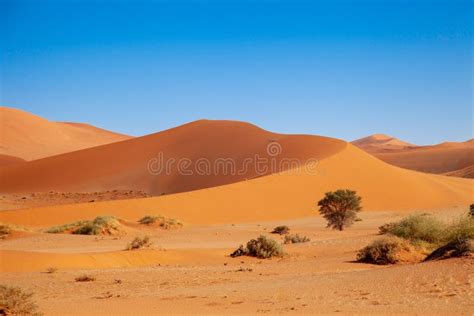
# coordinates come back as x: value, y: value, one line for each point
x: 31, y: 137
x: 124, y: 165
x: 284, y: 195
x: 6, y: 160
x: 449, y: 158
x: 467, y: 172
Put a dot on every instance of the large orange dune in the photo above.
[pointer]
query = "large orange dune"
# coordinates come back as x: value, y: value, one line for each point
x: 286, y: 195
x: 446, y: 158
x: 231, y: 149
x: 30, y: 137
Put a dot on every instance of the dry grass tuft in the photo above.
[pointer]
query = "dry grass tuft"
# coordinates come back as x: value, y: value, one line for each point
x: 15, y: 301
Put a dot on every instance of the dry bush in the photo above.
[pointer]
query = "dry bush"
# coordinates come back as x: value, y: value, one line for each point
x: 14, y: 301
x: 281, y: 230
x: 51, y: 270
x: 295, y: 239
x: 139, y: 242
x: 5, y: 230
x: 161, y: 221
x: 388, y: 250
x: 85, y: 278
x: 262, y: 248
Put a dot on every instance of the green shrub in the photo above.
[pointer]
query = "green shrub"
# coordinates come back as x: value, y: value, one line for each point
x: 295, y: 239
x: 66, y: 227
x: 388, y: 250
x: 161, y: 221
x: 281, y: 230
x: 340, y: 208
x: 416, y: 228
x: 14, y: 301
x: 462, y: 229
x: 85, y: 278
x: 139, y: 242
x: 262, y: 248
x: 100, y: 225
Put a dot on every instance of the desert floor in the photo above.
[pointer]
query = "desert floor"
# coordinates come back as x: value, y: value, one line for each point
x: 188, y: 270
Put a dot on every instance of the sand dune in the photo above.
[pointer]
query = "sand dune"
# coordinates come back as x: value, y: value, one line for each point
x: 380, y: 143
x: 467, y: 172
x: 30, y: 137
x: 124, y: 165
x: 444, y: 158
x: 6, y: 160
x: 279, y: 196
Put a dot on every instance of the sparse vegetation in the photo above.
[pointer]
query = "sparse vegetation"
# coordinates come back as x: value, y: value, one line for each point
x: 106, y: 225
x: 281, y: 230
x: 139, y: 242
x: 417, y: 228
x: 51, y: 270
x: 262, y: 248
x: 85, y: 278
x: 161, y: 221
x: 388, y: 250
x: 66, y: 227
x: 425, y: 231
x: 340, y: 208
x: 460, y: 248
x: 295, y: 239
x: 471, y: 210
x: 15, y: 301
x: 5, y: 230
x: 461, y: 230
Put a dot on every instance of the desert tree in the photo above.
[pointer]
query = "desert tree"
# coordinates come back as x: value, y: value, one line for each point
x: 340, y: 208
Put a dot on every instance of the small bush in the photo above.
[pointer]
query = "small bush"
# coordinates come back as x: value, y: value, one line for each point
x: 14, y: 301
x: 161, y: 221
x: 5, y: 230
x: 139, y: 242
x: 416, y: 228
x: 262, y: 248
x: 106, y: 225
x: 388, y: 250
x: 85, y: 278
x: 66, y: 227
x: 281, y: 230
x: 340, y: 208
x: 295, y: 239
x: 471, y: 210
x: 51, y: 270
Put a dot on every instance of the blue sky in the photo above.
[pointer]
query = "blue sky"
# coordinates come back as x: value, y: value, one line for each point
x: 338, y: 68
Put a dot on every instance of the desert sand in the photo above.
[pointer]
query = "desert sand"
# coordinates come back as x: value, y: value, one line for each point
x: 188, y: 270
x: 449, y: 158
x: 27, y: 136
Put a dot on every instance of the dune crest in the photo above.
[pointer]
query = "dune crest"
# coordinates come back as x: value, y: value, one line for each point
x: 29, y: 137
x: 449, y: 158
x: 215, y: 152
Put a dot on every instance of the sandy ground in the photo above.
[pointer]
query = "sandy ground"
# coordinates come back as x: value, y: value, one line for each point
x: 39, y: 199
x: 188, y: 271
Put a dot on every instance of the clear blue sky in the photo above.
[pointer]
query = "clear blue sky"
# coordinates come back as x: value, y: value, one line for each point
x: 338, y: 68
